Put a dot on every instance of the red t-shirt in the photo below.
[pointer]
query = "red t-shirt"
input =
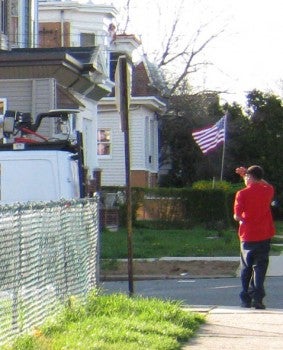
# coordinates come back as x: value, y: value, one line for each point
x: 252, y: 204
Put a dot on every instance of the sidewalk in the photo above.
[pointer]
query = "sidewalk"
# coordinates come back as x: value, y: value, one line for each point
x: 275, y: 267
x: 234, y: 328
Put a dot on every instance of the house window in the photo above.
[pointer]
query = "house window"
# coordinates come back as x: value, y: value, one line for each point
x: 87, y: 39
x: 103, y: 142
x: 14, y: 23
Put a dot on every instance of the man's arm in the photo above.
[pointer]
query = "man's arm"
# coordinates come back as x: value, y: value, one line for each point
x: 238, y: 209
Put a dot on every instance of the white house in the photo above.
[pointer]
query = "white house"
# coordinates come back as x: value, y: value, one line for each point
x: 80, y: 73
x: 145, y: 109
x: 89, y: 24
x: 71, y: 69
x: 71, y: 24
x: 72, y: 51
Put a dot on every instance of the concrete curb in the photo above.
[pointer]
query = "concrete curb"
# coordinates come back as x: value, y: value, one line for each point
x: 275, y: 269
x: 113, y: 278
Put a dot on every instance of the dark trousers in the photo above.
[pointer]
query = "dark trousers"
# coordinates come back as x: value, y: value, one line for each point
x: 254, y: 263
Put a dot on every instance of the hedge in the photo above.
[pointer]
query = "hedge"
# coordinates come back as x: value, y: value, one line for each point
x: 179, y: 206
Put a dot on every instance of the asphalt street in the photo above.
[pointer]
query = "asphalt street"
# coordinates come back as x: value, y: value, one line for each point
x: 197, y: 292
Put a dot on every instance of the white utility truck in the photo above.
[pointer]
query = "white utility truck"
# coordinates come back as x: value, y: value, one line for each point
x: 34, y: 167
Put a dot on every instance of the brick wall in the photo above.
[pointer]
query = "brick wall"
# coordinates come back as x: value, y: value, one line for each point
x: 141, y: 178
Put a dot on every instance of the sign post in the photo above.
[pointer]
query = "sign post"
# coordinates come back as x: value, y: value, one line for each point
x: 122, y: 94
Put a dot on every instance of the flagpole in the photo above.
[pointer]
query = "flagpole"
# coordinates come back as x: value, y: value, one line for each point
x: 223, y: 149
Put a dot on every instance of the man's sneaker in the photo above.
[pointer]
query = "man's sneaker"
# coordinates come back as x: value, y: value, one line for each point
x: 258, y: 305
x: 246, y: 305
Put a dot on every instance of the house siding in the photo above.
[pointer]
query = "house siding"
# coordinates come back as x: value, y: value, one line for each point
x: 144, y: 133
x: 143, y: 173
x: 17, y: 93
x: 137, y: 139
x: 30, y: 96
x: 113, y: 168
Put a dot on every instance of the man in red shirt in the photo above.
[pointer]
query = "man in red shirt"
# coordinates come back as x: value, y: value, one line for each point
x: 256, y: 228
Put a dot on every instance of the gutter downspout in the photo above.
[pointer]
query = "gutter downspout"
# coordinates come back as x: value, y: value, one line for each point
x: 62, y: 28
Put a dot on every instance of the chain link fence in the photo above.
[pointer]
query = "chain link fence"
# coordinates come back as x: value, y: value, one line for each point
x: 48, y: 251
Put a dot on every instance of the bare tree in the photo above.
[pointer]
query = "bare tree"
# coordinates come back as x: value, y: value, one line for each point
x: 127, y: 9
x: 181, y: 52
x: 189, y: 55
x: 184, y: 53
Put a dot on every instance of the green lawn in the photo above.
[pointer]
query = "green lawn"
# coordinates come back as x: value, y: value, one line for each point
x: 114, y: 322
x: 150, y: 243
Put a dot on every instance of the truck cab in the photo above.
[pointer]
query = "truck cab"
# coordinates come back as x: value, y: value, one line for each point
x: 36, y: 168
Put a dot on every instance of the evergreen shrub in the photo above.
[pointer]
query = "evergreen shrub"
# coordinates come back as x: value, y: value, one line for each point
x: 181, y: 207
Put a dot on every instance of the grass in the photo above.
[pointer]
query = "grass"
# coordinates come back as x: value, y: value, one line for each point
x: 112, y: 322
x: 149, y: 243
x: 5, y: 314
x: 196, y: 242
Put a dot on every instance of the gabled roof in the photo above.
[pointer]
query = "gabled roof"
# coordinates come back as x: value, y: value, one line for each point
x: 147, y: 80
x: 74, y: 68
x: 141, y: 84
x: 156, y: 77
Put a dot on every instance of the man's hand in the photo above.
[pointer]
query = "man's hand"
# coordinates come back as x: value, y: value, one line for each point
x: 241, y: 171
x: 238, y: 218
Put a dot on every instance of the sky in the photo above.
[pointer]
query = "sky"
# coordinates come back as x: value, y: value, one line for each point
x: 248, y: 54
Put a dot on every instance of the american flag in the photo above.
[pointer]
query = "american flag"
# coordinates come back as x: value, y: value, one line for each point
x: 210, y: 137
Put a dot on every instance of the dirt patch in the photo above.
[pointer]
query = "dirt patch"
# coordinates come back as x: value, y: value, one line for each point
x: 172, y: 269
